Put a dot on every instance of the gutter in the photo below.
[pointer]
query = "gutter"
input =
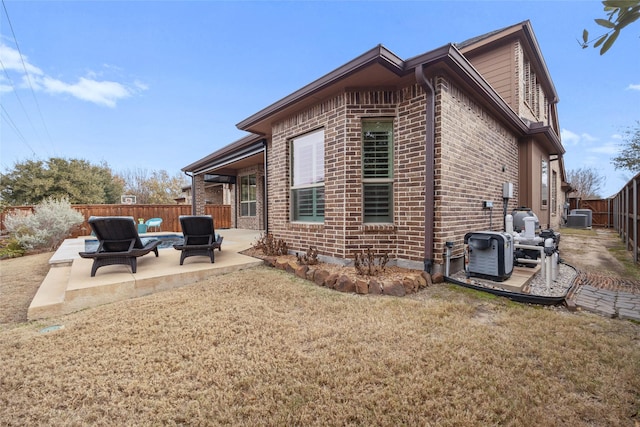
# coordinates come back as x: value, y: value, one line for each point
x: 430, y: 112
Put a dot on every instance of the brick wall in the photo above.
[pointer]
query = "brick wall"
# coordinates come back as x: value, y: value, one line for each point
x: 199, y: 194
x: 472, y: 149
x: 475, y: 155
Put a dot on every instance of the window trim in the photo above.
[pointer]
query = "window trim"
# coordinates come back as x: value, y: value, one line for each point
x: 544, y: 184
x: 389, y: 180
x: 317, y: 178
x: 249, y: 202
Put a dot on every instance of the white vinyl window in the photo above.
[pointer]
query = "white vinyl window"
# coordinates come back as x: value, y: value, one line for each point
x: 307, y: 177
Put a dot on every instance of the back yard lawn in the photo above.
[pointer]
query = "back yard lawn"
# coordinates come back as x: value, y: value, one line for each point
x: 262, y: 347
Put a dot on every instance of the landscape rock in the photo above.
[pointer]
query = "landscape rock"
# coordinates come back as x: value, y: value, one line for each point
x: 375, y: 287
x: 410, y: 285
x: 320, y: 277
x: 330, y: 282
x: 362, y: 286
x: 301, y: 271
x: 427, y: 277
x: 437, y: 278
x: 395, y: 288
x: 345, y: 284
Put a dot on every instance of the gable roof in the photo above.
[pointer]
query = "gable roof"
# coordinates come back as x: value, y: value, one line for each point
x: 524, y: 31
x: 379, y: 67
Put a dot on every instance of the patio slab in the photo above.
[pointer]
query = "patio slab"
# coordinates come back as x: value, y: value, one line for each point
x: 69, y: 287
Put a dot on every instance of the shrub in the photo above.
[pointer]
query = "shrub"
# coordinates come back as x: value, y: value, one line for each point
x: 310, y: 258
x: 368, y: 264
x: 10, y: 248
x: 46, y: 227
x: 270, y: 246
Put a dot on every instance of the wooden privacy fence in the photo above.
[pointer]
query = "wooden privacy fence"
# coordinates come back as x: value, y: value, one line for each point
x: 625, y: 215
x: 169, y: 213
x: 602, y: 210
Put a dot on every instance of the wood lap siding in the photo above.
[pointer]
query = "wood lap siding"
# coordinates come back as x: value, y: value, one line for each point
x: 498, y: 68
x: 169, y: 213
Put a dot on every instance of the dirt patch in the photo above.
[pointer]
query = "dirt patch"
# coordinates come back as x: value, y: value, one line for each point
x: 590, y: 251
x: 20, y: 279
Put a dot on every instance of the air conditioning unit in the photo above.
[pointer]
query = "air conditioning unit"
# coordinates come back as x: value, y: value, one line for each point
x: 587, y: 212
x: 490, y: 255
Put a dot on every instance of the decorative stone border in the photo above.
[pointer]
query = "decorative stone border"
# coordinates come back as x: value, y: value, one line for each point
x: 412, y: 282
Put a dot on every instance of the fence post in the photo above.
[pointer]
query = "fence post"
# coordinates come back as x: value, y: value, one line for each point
x: 635, y: 219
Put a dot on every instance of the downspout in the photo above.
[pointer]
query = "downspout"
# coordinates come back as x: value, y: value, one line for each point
x: 193, y: 192
x: 430, y: 114
x: 265, y: 198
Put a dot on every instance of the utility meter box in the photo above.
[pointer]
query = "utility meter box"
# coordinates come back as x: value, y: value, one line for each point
x: 490, y: 255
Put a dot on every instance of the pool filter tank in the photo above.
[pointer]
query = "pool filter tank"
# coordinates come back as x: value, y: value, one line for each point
x: 490, y: 255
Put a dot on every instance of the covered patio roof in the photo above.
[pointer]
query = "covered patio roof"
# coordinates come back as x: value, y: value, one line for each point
x: 245, y: 152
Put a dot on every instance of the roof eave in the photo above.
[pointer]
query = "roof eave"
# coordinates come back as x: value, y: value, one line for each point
x: 379, y: 55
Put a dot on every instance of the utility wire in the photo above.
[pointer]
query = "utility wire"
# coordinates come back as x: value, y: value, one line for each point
x: 15, y: 92
x: 24, y: 66
x: 8, y: 119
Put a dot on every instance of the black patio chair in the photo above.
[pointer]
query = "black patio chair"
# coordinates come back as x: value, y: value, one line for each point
x: 118, y: 242
x: 200, y: 237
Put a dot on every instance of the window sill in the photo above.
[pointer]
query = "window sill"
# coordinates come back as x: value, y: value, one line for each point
x: 378, y: 227
x: 302, y: 225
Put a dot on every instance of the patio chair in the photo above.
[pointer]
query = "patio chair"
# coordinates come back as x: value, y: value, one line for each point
x: 118, y: 242
x: 200, y: 238
x: 154, y: 222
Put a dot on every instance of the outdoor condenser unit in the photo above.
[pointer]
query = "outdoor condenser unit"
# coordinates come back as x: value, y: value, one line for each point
x: 490, y: 255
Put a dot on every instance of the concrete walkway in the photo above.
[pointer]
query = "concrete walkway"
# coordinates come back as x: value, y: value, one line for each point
x: 69, y: 287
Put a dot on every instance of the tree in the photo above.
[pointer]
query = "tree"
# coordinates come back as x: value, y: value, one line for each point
x: 155, y: 187
x: 620, y: 13
x: 33, y: 181
x: 586, y: 182
x: 629, y: 157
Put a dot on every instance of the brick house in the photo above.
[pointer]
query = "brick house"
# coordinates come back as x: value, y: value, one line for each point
x: 400, y: 155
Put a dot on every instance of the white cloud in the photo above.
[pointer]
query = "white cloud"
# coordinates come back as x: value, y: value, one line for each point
x: 633, y: 87
x: 572, y: 138
x: 608, y: 148
x: 11, y: 61
x: 89, y: 88
x: 99, y: 92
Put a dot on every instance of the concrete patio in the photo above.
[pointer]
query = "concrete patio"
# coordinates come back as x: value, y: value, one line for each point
x: 69, y: 287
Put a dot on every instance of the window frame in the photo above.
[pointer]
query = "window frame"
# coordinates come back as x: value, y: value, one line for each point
x: 249, y: 202
x: 544, y: 187
x: 310, y: 186
x: 374, y: 178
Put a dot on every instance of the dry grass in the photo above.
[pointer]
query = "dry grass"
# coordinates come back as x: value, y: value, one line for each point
x: 261, y: 347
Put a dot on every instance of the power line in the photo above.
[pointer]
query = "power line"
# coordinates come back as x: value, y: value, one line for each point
x: 15, y: 92
x: 24, y: 66
x: 8, y: 119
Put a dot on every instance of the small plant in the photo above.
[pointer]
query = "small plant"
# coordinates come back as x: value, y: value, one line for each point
x: 270, y: 246
x: 10, y: 248
x: 368, y: 264
x: 310, y: 258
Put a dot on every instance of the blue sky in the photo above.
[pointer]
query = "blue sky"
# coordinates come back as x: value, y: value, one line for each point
x: 150, y: 85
